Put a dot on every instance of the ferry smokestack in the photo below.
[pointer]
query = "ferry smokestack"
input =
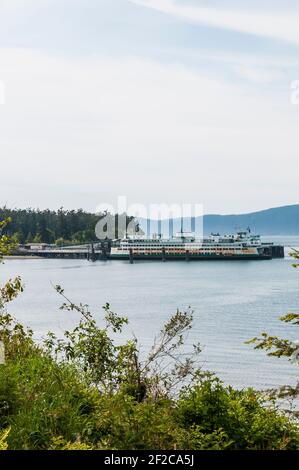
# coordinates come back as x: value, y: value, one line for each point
x: 193, y: 225
x: 159, y: 228
x: 171, y: 231
x: 148, y: 228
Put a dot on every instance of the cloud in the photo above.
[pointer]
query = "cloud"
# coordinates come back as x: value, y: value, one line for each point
x: 259, y: 75
x: 276, y: 25
x: 82, y: 131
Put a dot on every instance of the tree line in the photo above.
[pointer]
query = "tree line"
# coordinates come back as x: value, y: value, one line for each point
x: 49, y: 226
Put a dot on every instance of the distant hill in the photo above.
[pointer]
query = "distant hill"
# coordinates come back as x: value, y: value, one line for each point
x: 276, y: 221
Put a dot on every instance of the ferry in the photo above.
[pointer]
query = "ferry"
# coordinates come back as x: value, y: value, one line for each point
x: 185, y: 246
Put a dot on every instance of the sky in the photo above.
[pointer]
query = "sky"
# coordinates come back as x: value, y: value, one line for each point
x: 161, y: 101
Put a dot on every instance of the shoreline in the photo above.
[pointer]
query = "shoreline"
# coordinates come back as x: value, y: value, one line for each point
x: 20, y: 257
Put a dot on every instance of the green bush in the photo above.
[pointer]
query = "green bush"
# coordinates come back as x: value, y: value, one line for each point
x: 49, y: 405
x: 245, y: 418
x: 42, y: 399
x: 123, y: 423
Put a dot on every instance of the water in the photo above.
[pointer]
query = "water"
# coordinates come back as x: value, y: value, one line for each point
x: 232, y: 302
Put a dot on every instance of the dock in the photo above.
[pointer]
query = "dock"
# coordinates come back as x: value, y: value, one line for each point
x: 90, y: 251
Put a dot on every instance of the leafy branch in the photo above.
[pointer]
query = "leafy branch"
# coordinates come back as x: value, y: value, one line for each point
x: 113, y: 367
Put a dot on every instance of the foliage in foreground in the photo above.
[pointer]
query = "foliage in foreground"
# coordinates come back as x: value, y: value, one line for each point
x: 280, y: 347
x: 86, y: 392
x: 6, y: 243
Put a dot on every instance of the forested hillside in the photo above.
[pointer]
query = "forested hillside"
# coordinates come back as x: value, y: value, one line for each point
x: 60, y: 227
x: 48, y: 226
x: 276, y: 221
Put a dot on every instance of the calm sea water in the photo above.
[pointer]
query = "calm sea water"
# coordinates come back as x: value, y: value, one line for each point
x: 232, y: 302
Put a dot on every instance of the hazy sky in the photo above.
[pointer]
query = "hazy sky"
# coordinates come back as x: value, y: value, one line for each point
x: 172, y: 101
